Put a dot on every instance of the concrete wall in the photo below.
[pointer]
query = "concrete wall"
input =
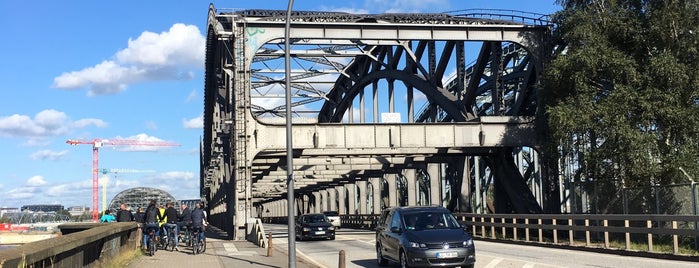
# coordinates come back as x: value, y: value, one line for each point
x: 96, y: 243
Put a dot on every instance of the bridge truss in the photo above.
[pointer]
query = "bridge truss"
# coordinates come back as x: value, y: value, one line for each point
x: 388, y: 109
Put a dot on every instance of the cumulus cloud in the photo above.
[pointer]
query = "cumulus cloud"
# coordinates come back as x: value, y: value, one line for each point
x: 36, y: 181
x: 194, y: 123
x: 142, y: 143
x: 170, y: 55
x: 46, y: 123
x: 48, y: 155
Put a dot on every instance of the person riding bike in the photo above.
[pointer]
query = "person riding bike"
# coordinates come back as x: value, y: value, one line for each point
x: 184, y: 221
x: 171, y: 217
x: 198, y: 222
x: 150, y: 222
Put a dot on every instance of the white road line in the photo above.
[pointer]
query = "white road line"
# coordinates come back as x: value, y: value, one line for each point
x: 494, y: 263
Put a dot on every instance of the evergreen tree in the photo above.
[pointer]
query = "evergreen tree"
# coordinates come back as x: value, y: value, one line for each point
x: 623, y: 97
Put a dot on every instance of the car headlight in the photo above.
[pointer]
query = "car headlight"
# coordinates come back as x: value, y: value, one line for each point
x: 416, y: 245
x: 306, y: 229
x: 331, y: 228
x: 468, y: 243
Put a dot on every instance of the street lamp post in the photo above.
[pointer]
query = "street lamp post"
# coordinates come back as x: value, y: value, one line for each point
x: 289, y: 147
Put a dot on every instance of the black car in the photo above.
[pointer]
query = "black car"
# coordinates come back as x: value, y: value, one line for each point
x: 427, y: 236
x: 314, y: 226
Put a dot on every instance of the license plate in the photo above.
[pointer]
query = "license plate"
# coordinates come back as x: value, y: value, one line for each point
x: 442, y: 255
x: 320, y: 232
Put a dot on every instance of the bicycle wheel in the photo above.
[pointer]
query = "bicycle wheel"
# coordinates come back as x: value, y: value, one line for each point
x: 171, y: 241
x: 195, y: 244
x: 151, y: 246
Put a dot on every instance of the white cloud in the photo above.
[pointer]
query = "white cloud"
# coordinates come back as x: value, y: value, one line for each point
x: 36, y: 181
x: 194, y: 123
x: 143, y: 143
x: 46, y: 123
x: 169, y: 55
x: 192, y: 96
x: 48, y: 155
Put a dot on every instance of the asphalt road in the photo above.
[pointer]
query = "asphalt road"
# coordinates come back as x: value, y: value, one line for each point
x: 358, y: 246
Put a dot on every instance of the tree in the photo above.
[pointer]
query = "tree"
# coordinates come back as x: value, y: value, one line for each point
x: 624, y: 96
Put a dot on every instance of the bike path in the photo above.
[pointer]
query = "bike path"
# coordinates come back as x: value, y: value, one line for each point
x: 220, y: 252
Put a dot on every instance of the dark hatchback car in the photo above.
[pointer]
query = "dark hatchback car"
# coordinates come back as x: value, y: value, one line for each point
x: 314, y: 226
x: 423, y: 237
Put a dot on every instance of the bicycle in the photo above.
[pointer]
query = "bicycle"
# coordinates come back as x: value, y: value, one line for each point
x: 151, y: 243
x: 198, y: 245
x: 170, y: 238
x: 185, y: 236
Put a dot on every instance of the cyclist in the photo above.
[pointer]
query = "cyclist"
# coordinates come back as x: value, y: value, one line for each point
x: 185, y: 220
x: 162, y: 219
x: 150, y: 222
x: 171, y: 217
x: 198, y: 221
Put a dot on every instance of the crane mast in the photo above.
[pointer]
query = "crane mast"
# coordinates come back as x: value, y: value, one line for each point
x: 96, y: 144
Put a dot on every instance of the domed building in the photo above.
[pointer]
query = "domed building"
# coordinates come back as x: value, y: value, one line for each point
x: 140, y: 197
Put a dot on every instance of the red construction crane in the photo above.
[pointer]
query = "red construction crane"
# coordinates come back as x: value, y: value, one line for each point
x: 96, y: 144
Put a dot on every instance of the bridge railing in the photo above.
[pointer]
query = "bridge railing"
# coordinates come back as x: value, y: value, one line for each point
x: 84, y: 245
x: 673, y: 234
x: 606, y: 231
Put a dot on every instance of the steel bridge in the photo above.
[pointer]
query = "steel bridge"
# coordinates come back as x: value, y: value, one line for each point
x: 388, y: 110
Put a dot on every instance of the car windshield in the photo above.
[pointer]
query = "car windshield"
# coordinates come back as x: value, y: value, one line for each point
x: 314, y: 219
x: 427, y: 220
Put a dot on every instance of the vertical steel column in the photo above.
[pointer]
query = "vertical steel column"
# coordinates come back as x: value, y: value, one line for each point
x: 289, y: 146
x: 361, y: 189
x: 341, y: 208
x: 435, y: 184
x: 411, y: 179
x: 376, y: 197
x: 392, y: 190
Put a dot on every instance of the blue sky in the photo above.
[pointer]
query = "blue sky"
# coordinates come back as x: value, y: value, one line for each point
x: 123, y: 69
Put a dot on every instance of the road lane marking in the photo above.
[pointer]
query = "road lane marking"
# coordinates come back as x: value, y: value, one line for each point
x: 494, y: 263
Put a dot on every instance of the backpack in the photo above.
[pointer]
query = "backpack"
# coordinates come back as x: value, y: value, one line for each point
x: 151, y: 215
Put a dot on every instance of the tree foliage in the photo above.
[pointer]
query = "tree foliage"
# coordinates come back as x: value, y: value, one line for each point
x: 623, y: 97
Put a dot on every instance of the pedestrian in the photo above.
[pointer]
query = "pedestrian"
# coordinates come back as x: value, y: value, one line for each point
x: 107, y: 217
x: 124, y: 215
x: 140, y: 215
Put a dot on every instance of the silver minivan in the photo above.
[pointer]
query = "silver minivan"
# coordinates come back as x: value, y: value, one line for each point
x: 424, y: 236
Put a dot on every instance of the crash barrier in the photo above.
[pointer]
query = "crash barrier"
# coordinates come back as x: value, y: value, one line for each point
x: 666, y: 234
x: 638, y: 232
x: 96, y: 243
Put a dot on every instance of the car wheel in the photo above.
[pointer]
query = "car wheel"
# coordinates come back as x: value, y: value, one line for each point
x: 403, y: 260
x: 379, y: 256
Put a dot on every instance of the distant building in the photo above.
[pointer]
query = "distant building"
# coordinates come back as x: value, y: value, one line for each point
x: 8, y: 210
x: 42, y: 208
x: 140, y: 197
x: 78, y: 210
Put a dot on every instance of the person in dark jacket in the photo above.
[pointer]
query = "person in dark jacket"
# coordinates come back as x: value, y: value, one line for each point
x: 140, y: 215
x: 150, y: 221
x: 124, y: 214
x: 185, y: 219
x: 171, y: 216
x: 198, y: 220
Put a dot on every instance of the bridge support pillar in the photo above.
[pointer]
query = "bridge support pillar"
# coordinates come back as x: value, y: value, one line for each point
x: 361, y: 189
x: 435, y: 184
x: 376, y: 195
x: 316, y: 203
x: 392, y: 190
x: 351, y: 198
x: 411, y: 178
x: 323, y: 200
x: 332, y: 199
x: 341, y: 207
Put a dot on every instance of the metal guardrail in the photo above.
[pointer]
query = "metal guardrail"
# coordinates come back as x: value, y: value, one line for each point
x: 575, y: 230
x: 89, y: 245
x: 587, y: 230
